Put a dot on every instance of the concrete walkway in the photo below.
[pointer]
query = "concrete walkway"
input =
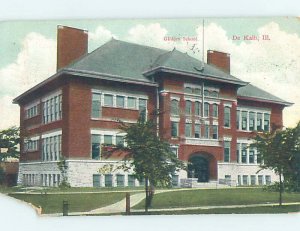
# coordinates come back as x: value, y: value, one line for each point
x: 120, y: 206
x: 216, y: 207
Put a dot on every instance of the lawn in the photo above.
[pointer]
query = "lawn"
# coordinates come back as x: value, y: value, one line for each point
x: 206, y: 197
x: 252, y: 210
x: 81, y: 202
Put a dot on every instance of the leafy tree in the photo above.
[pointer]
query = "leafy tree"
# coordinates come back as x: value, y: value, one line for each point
x: 150, y: 157
x: 292, y: 172
x: 279, y: 151
x: 9, y: 140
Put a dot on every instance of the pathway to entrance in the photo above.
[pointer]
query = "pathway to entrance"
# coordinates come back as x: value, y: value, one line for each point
x: 120, y: 206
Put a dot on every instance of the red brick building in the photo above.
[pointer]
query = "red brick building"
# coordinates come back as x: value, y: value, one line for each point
x: 207, y: 114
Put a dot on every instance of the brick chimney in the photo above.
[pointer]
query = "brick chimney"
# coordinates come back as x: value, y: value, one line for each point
x: 72, y: 43
x: 219, y: 59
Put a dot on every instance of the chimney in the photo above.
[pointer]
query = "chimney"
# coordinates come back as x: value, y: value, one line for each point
x: 72, y: 43
x: 219, y: 59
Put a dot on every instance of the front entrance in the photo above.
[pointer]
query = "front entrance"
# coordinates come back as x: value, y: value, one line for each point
x: 198, y: 168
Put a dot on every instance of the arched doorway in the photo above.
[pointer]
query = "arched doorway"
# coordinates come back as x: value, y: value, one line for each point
x: 198, y: 167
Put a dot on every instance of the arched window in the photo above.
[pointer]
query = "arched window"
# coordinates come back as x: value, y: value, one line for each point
x: 174, y: 107
x: 188, y: 90
x: 214, y: 94
x: 227, y: 117
x: 197, y: 108
x: 197, y: 91
x: 206, y: 109
x: 188, y: 107
x: 215, y: 110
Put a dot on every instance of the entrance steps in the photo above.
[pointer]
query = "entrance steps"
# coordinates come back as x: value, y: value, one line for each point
x: 193, y: 183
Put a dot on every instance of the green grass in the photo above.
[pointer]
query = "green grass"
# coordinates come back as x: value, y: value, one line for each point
x: 206, y: 197
x: 52, y: 203
x: 5, y: 190
x: 252, y: 210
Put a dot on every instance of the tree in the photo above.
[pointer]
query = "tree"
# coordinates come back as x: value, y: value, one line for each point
x: 279, y: 151
x: 9, y: 140
x: 292, y: 172
x: 150, y: 157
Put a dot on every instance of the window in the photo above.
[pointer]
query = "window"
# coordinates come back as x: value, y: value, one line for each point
x: 251, y: 156
x: 174, y: 180
x: 52, y: 109
x: 267, y: 122
x: 228, y: 179
x: 259, y: 122
x: 32, y: 111
x: 244, y: 120
x: 120, y: 101
x: 131, y: 180
x: 120, y: 180
x: 96, y: 147
x: 258, y: 158
x: 214, y: 94
x: 51, y: 148
x: 188, y: 107
x: 174, y: 107
x: 108, y: 139
x: 197, y: 91
x: 252, y: 121
x: 174, y: 129
x: 206, y: 131
x: 197, y: 108
x: 245, y: 180
x: 239, y: 180
x: 108, y: 100
x: 120, y: 141
x: 197, y: 131
x: 188, y: 90
x: 227, y: 117
x: 206, y: 93
x: 238, y: 152
x: 226, y: 151
x: 260, y: 180
x: 108, y: 180
x: 244, y: 153
x: 31, y: 145
x: 131, y: 102
x: 174, y: 149
x: 253, y: 180
x: 238, y: 113
x: 96, y: 180
x: 206, y: 109
x: 215, y: 110
x: 188, y: 130
x: 268, y: 179
x: 215, y: 132
x: 96, y: 105
x: 143, y: 109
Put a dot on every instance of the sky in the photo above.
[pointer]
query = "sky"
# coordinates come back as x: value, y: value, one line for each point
x: 28, y: 51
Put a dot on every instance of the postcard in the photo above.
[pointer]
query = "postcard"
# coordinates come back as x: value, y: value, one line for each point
x: 151, y: 116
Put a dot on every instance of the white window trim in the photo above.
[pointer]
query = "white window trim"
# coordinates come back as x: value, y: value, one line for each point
x: 51, y: 133
x: 51, y: 95
x: 32, y: 104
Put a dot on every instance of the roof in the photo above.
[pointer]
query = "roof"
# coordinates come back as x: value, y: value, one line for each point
x: 254, y: 93
x: 134, y: 61
x: 183, y: 63
x: 128, y: 62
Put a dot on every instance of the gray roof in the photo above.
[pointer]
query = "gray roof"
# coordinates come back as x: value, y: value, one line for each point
x: 182, y: 62
x: 252, y: 92
x: 128, y: 62
x: 133, y: 61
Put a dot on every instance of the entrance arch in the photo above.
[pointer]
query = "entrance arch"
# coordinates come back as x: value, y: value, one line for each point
x: 202, y: 166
